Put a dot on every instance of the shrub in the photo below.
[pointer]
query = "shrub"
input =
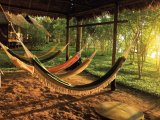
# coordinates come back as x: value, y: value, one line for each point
x: 37, y: 39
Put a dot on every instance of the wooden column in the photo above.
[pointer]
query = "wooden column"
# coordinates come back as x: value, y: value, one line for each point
x: 67, y: 38
x: 113, y: 84
x: 78, y: 40
x: 79, y: 36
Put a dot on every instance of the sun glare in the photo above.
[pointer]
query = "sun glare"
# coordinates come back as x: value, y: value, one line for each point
x: 153, y: 55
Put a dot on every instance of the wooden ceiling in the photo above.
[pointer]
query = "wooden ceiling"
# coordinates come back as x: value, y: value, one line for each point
x: 72, y: 8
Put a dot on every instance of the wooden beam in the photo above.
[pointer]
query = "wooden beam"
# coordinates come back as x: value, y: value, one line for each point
x: 113, y: 84
x: 94, y: 24
x: 67, y: 38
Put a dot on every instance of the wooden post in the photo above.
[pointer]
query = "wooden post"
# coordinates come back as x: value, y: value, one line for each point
x: 113, y: 84
x: 67, y: 38
x: 79, y: 39
x: 0, y: 80
x: 79, y: 36
x: 1, y: 73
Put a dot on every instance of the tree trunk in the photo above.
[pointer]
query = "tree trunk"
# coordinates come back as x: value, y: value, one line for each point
x: 138, y: 62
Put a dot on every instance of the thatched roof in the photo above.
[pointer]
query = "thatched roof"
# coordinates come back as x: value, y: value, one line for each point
x: 21, y: 21
x: 18, y: 20
x: 72, y: 8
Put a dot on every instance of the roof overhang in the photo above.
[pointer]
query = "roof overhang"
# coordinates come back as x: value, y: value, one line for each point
x: 71, y: 8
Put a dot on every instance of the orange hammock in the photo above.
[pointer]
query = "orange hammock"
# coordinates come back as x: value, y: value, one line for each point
x: 66, y: 64
x: 78, y: 69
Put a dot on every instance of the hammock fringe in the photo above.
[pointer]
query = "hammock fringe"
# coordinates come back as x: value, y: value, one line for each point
x: 58, y: 85
x: 63, y: 90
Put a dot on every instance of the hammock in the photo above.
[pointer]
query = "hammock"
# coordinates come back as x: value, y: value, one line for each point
x: 56, y: 68
x: 63, y: 75
x: 58, y: 85
x: 53, y: 69
x: 78, y: 69
x: 66, y: 64
x: 17, y: 62
x: 43, y: 59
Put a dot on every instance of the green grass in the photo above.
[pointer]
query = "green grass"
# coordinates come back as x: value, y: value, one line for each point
x: 149, y: 83
x: 128, y: 75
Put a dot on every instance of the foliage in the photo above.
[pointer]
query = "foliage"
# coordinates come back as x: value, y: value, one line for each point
x: 36, y: 39
x: 55, y: 27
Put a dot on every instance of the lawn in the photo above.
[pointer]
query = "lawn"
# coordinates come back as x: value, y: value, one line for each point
x: 149, y: 83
